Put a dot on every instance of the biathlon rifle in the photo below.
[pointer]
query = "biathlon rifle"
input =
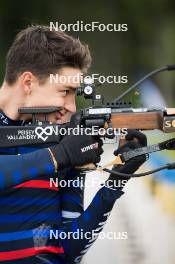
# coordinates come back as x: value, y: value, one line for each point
x: 115, y: 115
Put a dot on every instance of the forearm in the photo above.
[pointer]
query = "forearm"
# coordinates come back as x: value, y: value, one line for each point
x: 90, y: 222
x: 16, y: 169
x: 72, y: 195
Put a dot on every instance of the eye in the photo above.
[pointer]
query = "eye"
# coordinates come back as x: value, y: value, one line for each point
x: 63, y: 92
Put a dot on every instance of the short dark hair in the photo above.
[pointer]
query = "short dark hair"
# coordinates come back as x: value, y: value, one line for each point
x: 41, y: 51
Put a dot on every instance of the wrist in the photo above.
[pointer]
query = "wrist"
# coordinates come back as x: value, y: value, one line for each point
x: 53, y: 160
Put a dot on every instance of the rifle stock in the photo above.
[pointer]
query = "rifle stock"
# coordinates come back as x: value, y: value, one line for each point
x: 164, y: 121
x: 145, y: 121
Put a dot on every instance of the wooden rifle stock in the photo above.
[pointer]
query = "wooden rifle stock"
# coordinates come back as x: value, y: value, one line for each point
x: 161, y: 120
x: 133, y: 120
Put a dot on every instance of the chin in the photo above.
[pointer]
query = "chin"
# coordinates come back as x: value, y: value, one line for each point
x: 62, y: 121
x: 59, y: 122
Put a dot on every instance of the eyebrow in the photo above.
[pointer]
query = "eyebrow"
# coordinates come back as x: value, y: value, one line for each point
x: 71, y: 87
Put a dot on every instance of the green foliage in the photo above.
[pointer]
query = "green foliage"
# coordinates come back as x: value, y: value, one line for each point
x: 149, y: 42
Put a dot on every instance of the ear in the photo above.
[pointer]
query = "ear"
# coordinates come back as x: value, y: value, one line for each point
x: 27, y: 80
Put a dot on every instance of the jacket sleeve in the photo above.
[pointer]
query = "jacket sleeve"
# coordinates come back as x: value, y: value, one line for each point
x: 89, y: 224
x: 72, y: 195
x: 16, y: 169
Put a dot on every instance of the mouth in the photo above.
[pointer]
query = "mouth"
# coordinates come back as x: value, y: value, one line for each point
x: 59, y: 117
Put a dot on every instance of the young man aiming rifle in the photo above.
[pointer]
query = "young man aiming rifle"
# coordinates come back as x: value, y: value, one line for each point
x: 30, y: 208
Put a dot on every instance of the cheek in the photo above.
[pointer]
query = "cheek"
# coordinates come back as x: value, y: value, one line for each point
x: 47, y: 99
x: 70, y: 101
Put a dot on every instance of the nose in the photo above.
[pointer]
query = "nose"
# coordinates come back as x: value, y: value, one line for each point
x: 70, y: 105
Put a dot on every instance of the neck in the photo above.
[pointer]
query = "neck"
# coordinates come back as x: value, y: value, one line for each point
x: 10, y: 101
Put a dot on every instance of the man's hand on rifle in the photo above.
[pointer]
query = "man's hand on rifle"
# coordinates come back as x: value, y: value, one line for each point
x: 76, y: 150
x: 134, y: 140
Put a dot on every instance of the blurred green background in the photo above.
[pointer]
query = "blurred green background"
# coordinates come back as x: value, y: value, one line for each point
x: 149, y: 43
